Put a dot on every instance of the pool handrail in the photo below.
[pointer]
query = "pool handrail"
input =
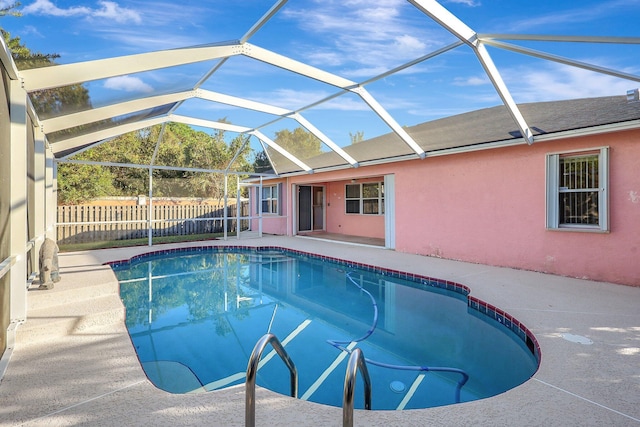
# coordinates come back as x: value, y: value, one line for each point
x: 252, y: 370
x: 356, y: 361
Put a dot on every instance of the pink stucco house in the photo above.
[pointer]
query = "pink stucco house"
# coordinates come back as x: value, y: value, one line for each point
x: 568, y: 204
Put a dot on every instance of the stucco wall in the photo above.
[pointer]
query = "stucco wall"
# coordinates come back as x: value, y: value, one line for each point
x: 340, y: 222
x: 489, y: 207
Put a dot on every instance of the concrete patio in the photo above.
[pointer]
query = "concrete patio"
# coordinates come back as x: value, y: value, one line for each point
x: 73, y: 363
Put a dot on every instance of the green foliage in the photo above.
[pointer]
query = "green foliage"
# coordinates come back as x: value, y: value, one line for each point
x: 10, y: 10
x: 261, y: 162
x: 78, y: 183
x: 357, y: 137
x: 301, y: 143
x: 181, y: 146
x: 199, y: 289
x: 22, y: 55
x: 47, y: 102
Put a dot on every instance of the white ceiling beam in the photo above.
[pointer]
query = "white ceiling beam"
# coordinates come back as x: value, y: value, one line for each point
x: 211, y: 124
x: 81, y: 72
x: 154, y: 156
x: 447, y: 20
x: 237, y: 154
x: 412, y: 63
x: 209, y: 73
x: 552, y: 38
x: 241, y: 102
x: 503, y: 91
x: 266, y: 152
x: 390, y: 121
x: 111, y: 111
x: 81, y: 140
x: 373, y: 79
x: 282, y: 112
x: 7, y: 61
x: 294, y: 66
x: 83, y: 149
x: 254, y: 29
x: 263, y: 20
x: 562, y: 60
x: 281, y: 150
x: 455, y: 26
x: 325, y: 139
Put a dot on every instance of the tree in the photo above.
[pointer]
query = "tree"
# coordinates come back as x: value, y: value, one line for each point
x: 82, y: 181
x: 10, y: 10
x: 181, y: 146
x: 300, y: 142
x: 261, y: 162
x: 79, y: 183
x: 214, y: 152
x: 357, y: 137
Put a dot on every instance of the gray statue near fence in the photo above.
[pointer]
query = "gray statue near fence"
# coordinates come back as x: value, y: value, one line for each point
x: 49, y: 269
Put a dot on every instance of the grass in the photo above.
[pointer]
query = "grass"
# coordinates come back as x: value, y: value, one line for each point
x: 138, y: 242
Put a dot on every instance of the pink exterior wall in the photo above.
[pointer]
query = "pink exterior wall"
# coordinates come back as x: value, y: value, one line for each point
x: 271, y: 223
x: 489, y: 207
x: 340, y: 222
x: 337, y: 221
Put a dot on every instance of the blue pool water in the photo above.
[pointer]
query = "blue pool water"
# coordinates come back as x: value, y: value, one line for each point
x: 194, y: 317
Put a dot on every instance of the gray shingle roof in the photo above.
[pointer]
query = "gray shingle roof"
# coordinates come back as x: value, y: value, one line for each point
x: 486, y: 126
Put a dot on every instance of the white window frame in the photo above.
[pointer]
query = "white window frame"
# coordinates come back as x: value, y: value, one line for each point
x: 554, y: 190
x: 361, y: 199
x: 272, y: 203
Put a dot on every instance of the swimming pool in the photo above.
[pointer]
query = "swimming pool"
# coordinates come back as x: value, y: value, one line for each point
x: 194, y: 316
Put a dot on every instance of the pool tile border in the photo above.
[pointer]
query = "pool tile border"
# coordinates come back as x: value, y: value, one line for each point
x: 482, y: 307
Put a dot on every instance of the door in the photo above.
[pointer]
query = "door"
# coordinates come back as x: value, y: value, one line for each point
x: 310, y: 208
x: 304, y: 208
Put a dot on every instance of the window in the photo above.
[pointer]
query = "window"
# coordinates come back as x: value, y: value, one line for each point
x: 366, y: 198
x: 270, y: 199
x: 577, y: 190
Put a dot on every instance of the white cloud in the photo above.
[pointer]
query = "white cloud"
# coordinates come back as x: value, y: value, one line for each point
x: 152, y: 18
x: 107, y: 9
x: 555, y: 81
x: 112, y: 10
x: 472, y: 3
x: 31, y: 29
x: 294, y: 99
x: 45, y: 7
x: 579, y: 14
x: 127, y: 84
x: 362, y: 35
x: 471, y: 81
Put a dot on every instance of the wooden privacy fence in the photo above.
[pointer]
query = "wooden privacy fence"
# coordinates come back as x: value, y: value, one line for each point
x: 88, y: 223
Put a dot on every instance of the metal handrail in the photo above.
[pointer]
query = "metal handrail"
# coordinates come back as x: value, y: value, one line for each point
x: 252, y: 370
x: 356, y: 360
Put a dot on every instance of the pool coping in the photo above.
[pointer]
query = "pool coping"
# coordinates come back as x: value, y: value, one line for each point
x: 91, y: 376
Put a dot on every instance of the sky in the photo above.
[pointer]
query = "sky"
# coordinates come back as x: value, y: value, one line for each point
x: 355, y: 39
